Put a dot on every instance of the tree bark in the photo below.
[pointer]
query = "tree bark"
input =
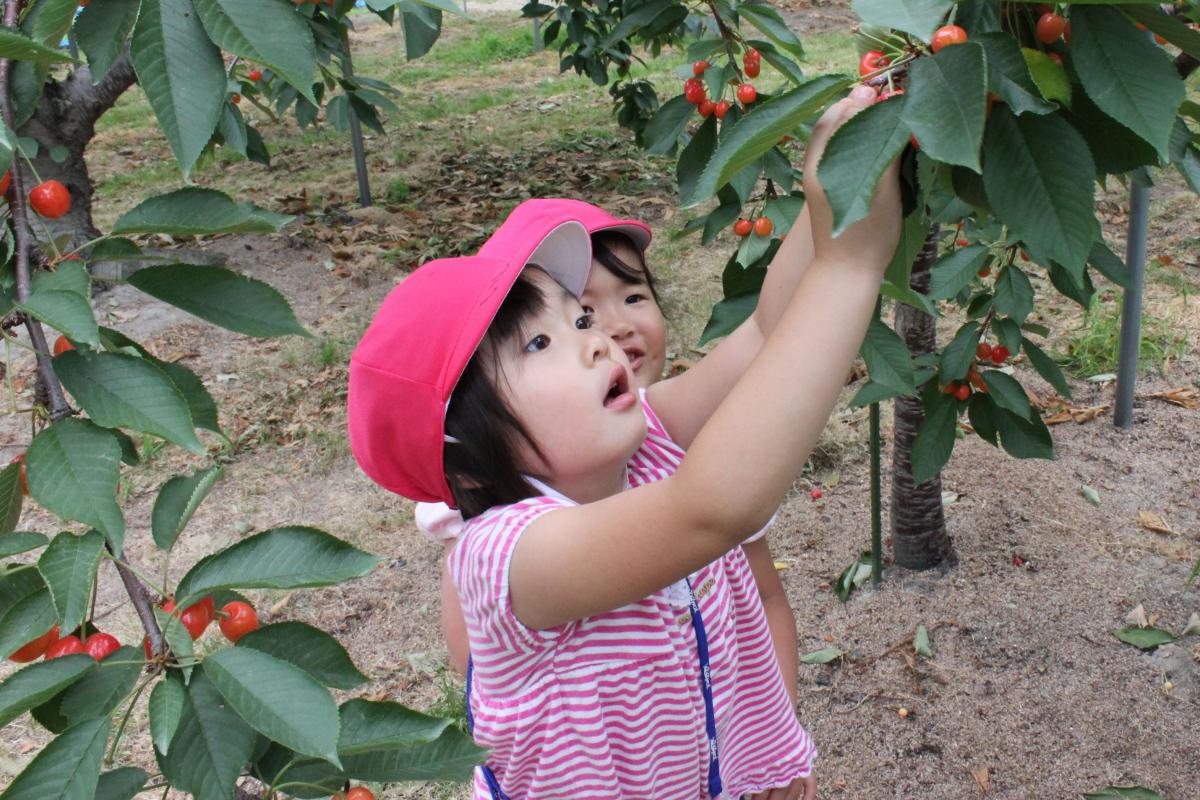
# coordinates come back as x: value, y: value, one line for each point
x: 919, y: 538
x: 66, y: 117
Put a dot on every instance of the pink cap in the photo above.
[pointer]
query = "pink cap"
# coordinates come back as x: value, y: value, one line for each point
x: 594, y: 218
x: 407, y: 364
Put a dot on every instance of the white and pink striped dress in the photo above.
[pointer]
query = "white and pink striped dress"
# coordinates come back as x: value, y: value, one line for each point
x: 610, y: 706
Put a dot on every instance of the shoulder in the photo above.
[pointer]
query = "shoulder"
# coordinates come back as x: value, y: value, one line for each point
x: 499, y: 528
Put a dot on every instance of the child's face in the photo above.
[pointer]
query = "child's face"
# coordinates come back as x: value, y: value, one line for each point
x: 627, y: 312
x: 572, y: 388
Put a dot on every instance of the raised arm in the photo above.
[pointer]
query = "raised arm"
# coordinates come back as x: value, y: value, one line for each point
x: 578, y: 561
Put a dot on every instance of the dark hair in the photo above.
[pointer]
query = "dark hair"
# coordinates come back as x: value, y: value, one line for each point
x: 604, y: 250
x: 481, y: 467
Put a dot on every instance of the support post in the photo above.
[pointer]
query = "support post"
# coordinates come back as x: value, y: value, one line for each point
x: 356, y: 140
x: 1131, y: 310
x: 537, y: 34
x: 876, y: 488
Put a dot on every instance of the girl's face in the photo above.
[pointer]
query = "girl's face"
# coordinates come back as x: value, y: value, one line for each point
x: 627, y: 312
x: 572, y: 388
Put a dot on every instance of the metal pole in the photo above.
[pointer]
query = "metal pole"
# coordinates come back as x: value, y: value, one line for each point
x: 876, y: 488
x: 1131, y: 311
x: 537, y: 34
x: 356, y: 140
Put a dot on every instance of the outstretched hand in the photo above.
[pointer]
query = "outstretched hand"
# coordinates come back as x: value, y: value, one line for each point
x: 871, y: 240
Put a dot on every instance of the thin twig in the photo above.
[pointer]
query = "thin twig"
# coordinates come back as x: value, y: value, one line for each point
x: 141, y: 603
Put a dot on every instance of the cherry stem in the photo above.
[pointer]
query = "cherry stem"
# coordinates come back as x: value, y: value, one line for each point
x: 112, y: 750
x: 58, y: 401
x: 729, y: 37
x: 141, y: 602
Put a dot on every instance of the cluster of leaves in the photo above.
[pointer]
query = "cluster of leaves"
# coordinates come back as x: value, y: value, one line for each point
x: 1014, y: 135
x: 263, y: 707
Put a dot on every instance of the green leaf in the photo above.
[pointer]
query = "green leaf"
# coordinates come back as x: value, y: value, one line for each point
x: 903, y: 294
x: 177, y: 501
x: 12, y: 496
x: 121, y: 783
x: 221, y: 297
x: 1007, y: 392
x: 1127, y: 792
x: 981, y: 412
x: 1143, y: 638
x: 280, y: 701
x: 166, y: 710
x: 52, y: 21
x: 19, y: 47
x: 282, y: 558
x: 20, y: 542
x: 1114, y: 147
x: 101, y: 29
x: 119, y: 390
x: 379, y: 725
x: 855, y: 158
x: 954, y: 272
x: 934, y: 442
x: 102, y: 689
x: 667, y: 125
x: 64, y: 311
x: 822, y: 656
x: 193, y: 211
x: 310, y: 777
x: 68, y: 768
x: 768, y: 20
x: 422, y: 26
x: 1048, y: 75
x: 697, y: 153
x: 921, y: 643
x: 1008, y: 74
x: 265, y: 32
x: 946, y: 102
x: 38, y: 682
x: 1079, y: 289
x: 199, y: 402
x: 1023, y: 437
x: 912, y: 239
x: 727, y: 315
x: 452, y: 756
x: 887, y: 357
x: 26, y: 619
x: 1038, y: 176
x: 1109, y: 264
x: 958, y: 356
x: 1046, y: 367
x: 311, y: 649
x: 758, y: 131
x: 872, y: 392
x: 69, y: 277
x: 73, y: 472
x: 177, y: 637
x: 69, y: 566
x: 210, y: 746
x: 917, y: 17
x: 1125, y: 74
x: 1174, y: 30
x: 181, y: 72
x: 1014, y: 293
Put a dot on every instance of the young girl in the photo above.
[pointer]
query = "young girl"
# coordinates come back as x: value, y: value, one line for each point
x: 621, y: 297
x: 618, y: 643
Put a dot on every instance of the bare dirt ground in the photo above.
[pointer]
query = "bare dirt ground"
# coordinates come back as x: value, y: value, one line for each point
x: 1027, y: 695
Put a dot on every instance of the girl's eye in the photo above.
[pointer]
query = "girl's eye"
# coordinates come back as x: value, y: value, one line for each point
x: 586, y: 321
x: 634, y: 298
x: 589, y: 310
x: 539, y: 342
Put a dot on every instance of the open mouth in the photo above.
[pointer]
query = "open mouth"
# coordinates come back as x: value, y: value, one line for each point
x: 618, y: 386
x: 636, y: 357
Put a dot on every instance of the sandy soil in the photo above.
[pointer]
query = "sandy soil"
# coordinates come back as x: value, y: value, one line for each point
x: 1027, y: 695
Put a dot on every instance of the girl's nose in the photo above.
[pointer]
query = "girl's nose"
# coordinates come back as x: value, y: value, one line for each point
x: 596, y: 344
x: 618, y: 328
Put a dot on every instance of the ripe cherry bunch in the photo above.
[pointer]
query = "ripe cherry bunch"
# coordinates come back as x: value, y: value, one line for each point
x: 696, y: 91
x: 986, y: 354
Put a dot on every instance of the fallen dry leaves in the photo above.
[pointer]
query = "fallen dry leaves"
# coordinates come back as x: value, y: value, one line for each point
x: 1154, y: 522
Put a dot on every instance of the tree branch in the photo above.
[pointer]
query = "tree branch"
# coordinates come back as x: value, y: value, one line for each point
x: 58, y: 401
x: 141, y: 603
x: 1185, y: 64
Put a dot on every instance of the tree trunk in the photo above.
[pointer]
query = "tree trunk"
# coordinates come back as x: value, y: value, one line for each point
x: 919, y: 539
x: 64, y: 122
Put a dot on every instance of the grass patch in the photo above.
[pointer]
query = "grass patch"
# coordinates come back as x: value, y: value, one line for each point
x: 1092, y: 349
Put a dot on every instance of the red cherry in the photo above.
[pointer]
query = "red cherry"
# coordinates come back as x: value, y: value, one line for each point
x: 983, y: 351
x: 694, y: 91
x: 816, y: 494
x: 1160, y: 39
x: 50, y: 199
x: 747, y: 94
x: 888, y: 93
x: 983, y: 273
x: 706, y: 107
x: 699, y: 67
x: 1000, y: 354
x: 239, y: 620
x: 961, y: 242
x: 20, y: 459
x: 916, y: 144
x: 254, y: 75
x: 195, y: 619
x: 35, y: 648
x: 949, y: 388
x: 5, y: 181
x: 360, y: 793
x: 743, y: 227
x: 1050, y: 27
x: 100, y: 645
x: 236, y: 98
x: 871, y: 61
x: 946, y: 36
x: 68, y: 645
x: 763, y: 226
x: 722, y: 108
x: 61, y: 345
x: 752, y: 63
x: 963, y: 391
x: 209, y: 607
